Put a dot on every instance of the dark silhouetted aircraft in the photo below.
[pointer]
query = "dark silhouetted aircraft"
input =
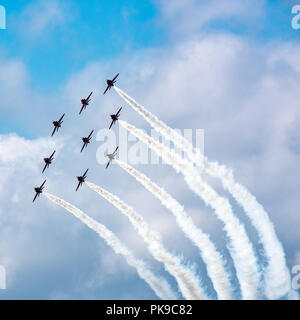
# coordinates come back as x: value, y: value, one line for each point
x: 110, y: 83
x: 115, y: 117
x: 85, y: 102
x: 111, y: 157
x: 48, y: 161
x: 57, y: 124
x: 81, y: 179
x: 86, y: 140
x: 39, y: 190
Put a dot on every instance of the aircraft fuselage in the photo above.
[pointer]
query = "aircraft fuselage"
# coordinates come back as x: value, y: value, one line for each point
x: 57, y: 124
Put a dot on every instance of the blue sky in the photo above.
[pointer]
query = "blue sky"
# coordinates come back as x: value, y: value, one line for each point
x: 233, y: 67
x: 102, y: 30
x: 93, y: 30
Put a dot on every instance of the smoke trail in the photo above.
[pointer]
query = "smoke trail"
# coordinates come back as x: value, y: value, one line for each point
x: 210, y: 255
x: 158, y: 285
x: 277, y: 277
x: 187, y: 281
x: 240, y: 247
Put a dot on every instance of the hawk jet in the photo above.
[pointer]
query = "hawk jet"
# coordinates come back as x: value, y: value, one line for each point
x: 48, y: 161
x: 115, y: 117
x: 111, y: 157
x: 81, y: 179
x: 86, y: 140
x: 85, y: 102
x: 57, y: 124
x: 39, y: 190
x: 110, y: 83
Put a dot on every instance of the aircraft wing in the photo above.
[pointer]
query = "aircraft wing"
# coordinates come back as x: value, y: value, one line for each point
x: 52, y: 155
x: 61, y: 117
x: 43, y: 184
x: 108, y: 163
x: 45, y: 167
x: 35, y: 197
x: 116, y: 150
x: 106, y: 89
x: 119, y: 111
x: 82, y: 108
x: 54, y: 130
x: 111, y: 124
x: 115, y: 77
x: 90, y: 134
x: 79, y: 184
x: 84, y: 175
x: 83, y: 147
x: 88, y: 98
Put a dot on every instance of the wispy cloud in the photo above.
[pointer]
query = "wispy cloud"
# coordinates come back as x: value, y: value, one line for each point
x: 190, y: 15
x: 42, y: 16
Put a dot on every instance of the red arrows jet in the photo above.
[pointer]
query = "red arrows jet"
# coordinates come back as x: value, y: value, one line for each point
x: 115, y: 117
x: 81, y: 179
x: 48, y: 161
x: 110, y: 83
x: 57, y: 124
x: 86, y: 140
x: 39, y: 190
x: 111, y: 157
x: 85, y: 102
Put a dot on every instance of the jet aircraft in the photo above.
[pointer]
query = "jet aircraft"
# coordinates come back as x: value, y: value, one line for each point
x: 85, y: 102
x: 81, y: 179
x: 86, y: 140
x: 111, y: 157
x: 48, y: 161
x: 57, y: 124
x: 115, y: 117
x: 39, y: 190
x: 110, y: 83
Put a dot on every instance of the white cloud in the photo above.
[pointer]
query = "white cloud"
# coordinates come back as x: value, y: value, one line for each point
x: 43, y: 15
x: 191, y: 15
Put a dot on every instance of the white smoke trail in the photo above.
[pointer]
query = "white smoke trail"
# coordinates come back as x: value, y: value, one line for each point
x: 240, y: 247
x: 211, y: 257
x: 188, y: 283
x: 158, y: 285
x: 277, y: 277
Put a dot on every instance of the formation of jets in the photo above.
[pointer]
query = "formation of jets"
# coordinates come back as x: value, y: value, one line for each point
x: 86, y: 140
